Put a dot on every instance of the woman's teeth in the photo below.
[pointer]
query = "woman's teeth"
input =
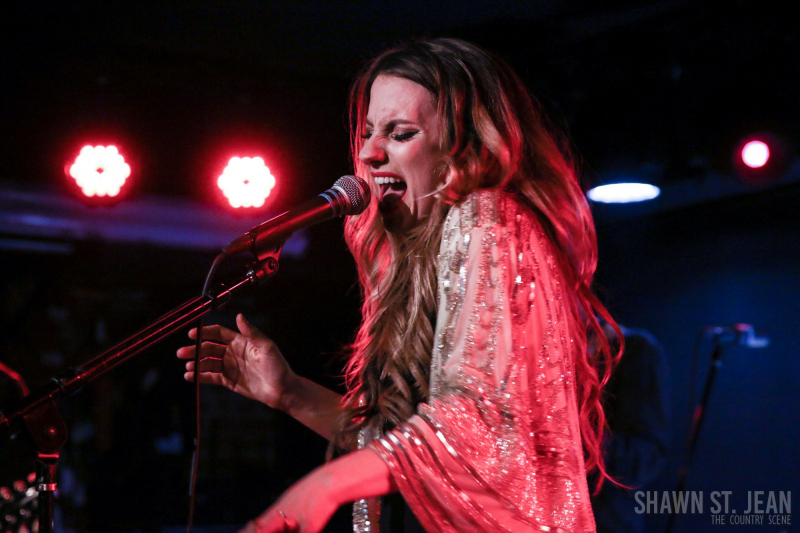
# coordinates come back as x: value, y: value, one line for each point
x: 387, y: 180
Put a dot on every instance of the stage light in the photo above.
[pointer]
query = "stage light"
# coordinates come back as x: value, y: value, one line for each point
x: 246, y: 182
x: 100, y: 170
x: 623, y: 193
x: 755, y: 154
x: 761, y: 158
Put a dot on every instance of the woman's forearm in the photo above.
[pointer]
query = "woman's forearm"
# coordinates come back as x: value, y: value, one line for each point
x: 357, y: 475
x: 312, y: 405
x: 310, y: 503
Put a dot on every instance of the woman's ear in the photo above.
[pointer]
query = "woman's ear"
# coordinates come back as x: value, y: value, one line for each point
x: 443, y: 174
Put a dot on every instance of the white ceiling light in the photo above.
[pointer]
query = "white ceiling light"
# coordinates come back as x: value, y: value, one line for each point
x: 623, y: 193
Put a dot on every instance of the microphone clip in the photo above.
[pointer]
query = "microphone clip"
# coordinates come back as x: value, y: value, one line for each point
x: 738, y: 334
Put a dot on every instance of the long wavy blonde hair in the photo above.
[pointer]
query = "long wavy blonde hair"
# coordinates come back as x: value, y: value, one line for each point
x: 493, y: 135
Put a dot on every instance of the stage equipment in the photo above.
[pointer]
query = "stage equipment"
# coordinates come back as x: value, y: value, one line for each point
x: 18, y: 506
x: 755, y: 154
x: 738, y: 334
x: 761, y: 158
x: 349, y: 195
x: 246, y: 182
x: 100, y: 171
x: 623, y: 193
x: 37, y: 417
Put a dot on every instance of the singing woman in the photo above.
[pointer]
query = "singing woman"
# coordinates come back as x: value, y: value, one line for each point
x: 470, y: 386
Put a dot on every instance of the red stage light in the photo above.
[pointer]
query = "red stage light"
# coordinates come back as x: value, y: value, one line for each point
x: 761, y: 158
x: 100, y: 170
x: 246, y: 182
x: 755, y: 154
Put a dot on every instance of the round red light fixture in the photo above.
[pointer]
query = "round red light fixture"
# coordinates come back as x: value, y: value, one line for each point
x: 246, y: 182
x: 100, y: 171
x: 761, y: 158
x: 755, y: 154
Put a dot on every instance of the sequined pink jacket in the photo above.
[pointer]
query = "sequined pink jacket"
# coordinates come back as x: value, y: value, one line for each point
x: 497, y: 447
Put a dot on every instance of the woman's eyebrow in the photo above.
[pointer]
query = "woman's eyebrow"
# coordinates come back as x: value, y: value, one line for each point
x: 390, y: 125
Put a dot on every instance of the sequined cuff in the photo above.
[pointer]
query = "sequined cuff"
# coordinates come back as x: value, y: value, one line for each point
x: 434, y: 496
x: 367, y: 511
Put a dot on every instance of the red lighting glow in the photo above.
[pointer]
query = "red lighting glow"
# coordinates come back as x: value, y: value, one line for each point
x: 100, y: 170
x: 755, y: 154
x: 246, y: 182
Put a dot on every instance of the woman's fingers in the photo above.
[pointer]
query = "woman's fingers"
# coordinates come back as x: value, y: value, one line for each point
x: 271, y: 522
x: 207, y: 364
x: 247, y: 329
x: 244, y: 326
x: 291, y: 524
x: 253, y: 336
x: 224, y: 335
x: 215, y: 333
x: 207, y: 378
x: 250, y: 527
x: 211, y: 362
x: 207, y: 349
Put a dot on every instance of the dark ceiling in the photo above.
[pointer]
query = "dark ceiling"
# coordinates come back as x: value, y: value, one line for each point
x: 661, y: 88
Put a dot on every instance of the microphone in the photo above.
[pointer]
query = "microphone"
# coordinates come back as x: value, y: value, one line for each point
x: 350, y: 195
x: 742, y: 334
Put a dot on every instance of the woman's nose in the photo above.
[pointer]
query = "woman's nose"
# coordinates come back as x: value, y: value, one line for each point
x: 372, y: 152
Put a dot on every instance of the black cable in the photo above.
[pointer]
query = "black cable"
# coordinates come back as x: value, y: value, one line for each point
x: 198, y: 343
x: 196, y: 454
x: 16, y: 378
x: 212, y: 273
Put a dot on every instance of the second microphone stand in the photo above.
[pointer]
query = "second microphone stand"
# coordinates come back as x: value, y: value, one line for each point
x: 697, y: 423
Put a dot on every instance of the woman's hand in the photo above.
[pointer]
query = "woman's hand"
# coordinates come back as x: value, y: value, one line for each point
x: 306, y: 507
x: 247, y: 363
x: 309, y: 504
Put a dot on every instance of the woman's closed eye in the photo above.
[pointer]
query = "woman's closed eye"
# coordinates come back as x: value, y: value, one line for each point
x: 400, y: 137
x: 403, y: 136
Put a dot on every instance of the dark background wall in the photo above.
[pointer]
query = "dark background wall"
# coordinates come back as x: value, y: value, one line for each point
x: 710, y: 265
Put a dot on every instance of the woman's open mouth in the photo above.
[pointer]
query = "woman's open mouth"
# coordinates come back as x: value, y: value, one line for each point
x: 391, y: 192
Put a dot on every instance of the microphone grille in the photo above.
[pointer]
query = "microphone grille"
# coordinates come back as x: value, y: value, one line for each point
x: 356, y: 191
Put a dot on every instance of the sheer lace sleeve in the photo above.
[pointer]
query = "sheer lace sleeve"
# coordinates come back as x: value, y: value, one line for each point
x: 497, y: 447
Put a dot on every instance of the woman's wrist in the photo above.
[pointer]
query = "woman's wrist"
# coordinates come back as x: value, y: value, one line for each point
x: 289, y: 392
x: 311, y: 404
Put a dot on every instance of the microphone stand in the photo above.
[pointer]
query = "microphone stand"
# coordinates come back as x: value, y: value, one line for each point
x: 697, y: 422
x: 37, y: 415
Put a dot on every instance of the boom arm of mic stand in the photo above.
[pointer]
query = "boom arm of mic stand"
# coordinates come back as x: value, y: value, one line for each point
x: 37, y: 414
